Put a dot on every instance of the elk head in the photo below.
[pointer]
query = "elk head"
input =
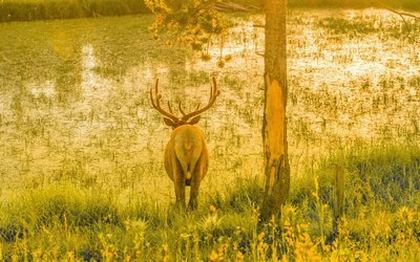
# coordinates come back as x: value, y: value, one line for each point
x: 186, y: 155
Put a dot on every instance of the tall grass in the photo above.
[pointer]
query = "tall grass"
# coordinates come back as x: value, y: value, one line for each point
x: 28, y: 10
x: 407, y: 4
x: 380, y: 220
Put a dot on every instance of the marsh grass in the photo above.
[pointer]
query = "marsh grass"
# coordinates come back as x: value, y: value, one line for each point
x: 358, y: 26
x: 381, y: 201
x: 30, y: 10
x: 407, y: 4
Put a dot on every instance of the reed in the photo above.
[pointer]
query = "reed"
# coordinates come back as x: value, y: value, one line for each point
x: 29, y: 10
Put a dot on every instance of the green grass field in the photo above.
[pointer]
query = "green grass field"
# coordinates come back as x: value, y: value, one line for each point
x: 81, y: 173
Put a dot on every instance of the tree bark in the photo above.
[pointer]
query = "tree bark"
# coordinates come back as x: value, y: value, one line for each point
x: 277, y: 169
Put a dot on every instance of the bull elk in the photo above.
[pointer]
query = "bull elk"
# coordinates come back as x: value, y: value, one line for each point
x: 186, y: 155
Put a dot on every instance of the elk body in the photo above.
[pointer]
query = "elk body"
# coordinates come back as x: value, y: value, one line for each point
x: 186, y: 155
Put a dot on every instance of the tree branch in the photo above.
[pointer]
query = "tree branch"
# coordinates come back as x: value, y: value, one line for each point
x: 233, y: 6
x: 379, y: 2
x: 401, y: 14
x: 203, y: 6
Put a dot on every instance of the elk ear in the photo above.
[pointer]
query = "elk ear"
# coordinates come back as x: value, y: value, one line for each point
x: 194, y: 120
x: 168, y: 122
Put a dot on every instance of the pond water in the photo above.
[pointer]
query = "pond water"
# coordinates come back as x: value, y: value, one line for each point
x: 74, y: 102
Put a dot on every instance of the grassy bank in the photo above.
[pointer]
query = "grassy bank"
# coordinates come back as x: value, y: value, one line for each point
x: 28, y: 10
x: 404, y: 4
x: 381, y: 220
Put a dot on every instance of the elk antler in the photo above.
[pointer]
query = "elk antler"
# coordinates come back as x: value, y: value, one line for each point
x: 156, y: 104
x: 214, y: 92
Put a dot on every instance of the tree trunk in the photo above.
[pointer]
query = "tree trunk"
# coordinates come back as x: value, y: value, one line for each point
x: 277, y: 168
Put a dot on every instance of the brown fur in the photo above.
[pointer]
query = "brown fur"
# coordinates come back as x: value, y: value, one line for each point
x: 186, y: 162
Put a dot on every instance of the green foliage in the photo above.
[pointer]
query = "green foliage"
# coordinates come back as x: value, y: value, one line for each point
x: 58, y: 204
x: 189, y: 22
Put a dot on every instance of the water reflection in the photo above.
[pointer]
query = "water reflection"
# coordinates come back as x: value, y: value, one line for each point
x: 86, y: 117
